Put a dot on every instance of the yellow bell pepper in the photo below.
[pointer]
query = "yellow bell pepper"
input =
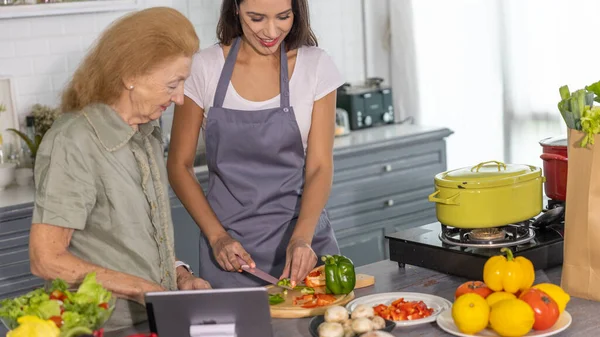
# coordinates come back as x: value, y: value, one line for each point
x: 32, y: 326
x: 508, y: 273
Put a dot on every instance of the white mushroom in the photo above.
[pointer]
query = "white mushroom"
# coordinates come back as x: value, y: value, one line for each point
x: 362, y: 310
x: 362, y: 325
x: 328, y: 329
x: 377, y: 334
x: 348, y: 332
x: 336, y: 314
x: 378, y: 323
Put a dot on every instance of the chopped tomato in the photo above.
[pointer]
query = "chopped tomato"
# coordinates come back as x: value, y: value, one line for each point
x: 58, y: 295
x: 103, y: 305
x: 400, y: 310
x: 57, y: 320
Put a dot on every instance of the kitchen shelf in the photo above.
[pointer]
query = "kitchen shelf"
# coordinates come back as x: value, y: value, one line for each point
x: 66, y: 8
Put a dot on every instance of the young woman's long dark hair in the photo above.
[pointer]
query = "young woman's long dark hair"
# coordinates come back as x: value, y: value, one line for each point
x: 301, y: 34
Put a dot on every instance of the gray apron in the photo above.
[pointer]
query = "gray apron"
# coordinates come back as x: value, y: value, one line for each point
x: 256, y: 176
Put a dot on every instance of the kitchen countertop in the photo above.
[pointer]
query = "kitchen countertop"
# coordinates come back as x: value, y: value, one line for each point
x: 390, y: 278
x: 15, y: 197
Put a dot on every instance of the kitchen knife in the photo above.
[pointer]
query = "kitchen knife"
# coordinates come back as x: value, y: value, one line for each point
x: 260, y: 274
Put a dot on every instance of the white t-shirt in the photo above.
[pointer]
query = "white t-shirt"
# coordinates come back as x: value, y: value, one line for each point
x: 315, y: 75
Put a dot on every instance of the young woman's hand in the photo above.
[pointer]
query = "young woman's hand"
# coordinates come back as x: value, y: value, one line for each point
x: 300, y: 259
x: 226, y: 251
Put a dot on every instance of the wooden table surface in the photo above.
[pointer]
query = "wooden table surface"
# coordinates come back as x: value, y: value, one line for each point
x: 390, y: 278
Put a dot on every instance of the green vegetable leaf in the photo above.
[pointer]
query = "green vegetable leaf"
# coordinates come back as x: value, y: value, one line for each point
x: 59, y: 284
x: 594, y: 87
x: 82, y: 310
x: 590, y: 125
x: 564, y: 92
x: 91, y: 291
x: 44, y: 310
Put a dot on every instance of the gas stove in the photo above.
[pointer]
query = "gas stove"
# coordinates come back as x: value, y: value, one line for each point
x: 463, y: 252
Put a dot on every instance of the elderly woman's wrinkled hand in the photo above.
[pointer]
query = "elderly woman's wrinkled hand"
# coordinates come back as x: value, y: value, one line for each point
x: 226, y: 251
x: 190, y: 282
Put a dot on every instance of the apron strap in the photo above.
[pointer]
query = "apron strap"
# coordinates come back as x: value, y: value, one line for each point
x: 284, y: 85
x: 227, y: 71
x: 226, y: 74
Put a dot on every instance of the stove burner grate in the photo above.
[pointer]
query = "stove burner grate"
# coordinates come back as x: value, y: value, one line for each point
x: 495, y: 237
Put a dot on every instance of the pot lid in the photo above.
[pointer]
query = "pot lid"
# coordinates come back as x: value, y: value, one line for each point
x: 487, y: 174
x: 554, y: 141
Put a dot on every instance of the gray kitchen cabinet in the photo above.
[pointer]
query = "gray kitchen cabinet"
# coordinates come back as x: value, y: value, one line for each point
x: 187, y: 233
x: 382, y: 177
x: 15, y: 273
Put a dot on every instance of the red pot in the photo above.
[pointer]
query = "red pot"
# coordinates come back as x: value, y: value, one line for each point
x: 555, y: 167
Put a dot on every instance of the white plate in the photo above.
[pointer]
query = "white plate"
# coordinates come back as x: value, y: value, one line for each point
x: 436, y: 303
x: 446, y: 322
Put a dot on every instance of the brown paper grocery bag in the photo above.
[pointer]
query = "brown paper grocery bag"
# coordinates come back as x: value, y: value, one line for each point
x: 581, y: 266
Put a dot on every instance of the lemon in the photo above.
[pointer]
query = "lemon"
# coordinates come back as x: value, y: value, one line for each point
x: 498, y: 296
x: 556, y: 293
x: 511, y: 317
x: 470, y: 313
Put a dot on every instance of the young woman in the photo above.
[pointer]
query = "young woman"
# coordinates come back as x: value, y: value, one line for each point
x: 264, y: 99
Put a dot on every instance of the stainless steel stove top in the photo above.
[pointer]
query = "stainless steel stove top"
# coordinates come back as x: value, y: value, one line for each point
x: 463, y: 252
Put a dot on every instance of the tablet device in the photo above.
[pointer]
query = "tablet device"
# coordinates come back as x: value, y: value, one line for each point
x: 234, y: 312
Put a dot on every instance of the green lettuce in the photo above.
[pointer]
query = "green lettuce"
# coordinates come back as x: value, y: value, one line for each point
x: 91, y: 291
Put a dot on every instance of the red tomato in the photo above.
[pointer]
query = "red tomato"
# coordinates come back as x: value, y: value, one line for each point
x: 477, y: 287
x: 57, y: 320
x: 103, y: 305
x: 58, y: 295
x: 545, y: 308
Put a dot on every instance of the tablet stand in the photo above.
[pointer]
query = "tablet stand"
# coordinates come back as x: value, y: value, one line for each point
x: 213, y: 330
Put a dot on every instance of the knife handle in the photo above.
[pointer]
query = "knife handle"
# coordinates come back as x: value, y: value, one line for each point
x: 243, y: 263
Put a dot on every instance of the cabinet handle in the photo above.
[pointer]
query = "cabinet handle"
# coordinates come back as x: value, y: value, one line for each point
x: 390, y: 203
x: 387, y: 168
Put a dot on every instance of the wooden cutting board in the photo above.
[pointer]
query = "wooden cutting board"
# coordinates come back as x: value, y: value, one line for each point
x: 287, y: 309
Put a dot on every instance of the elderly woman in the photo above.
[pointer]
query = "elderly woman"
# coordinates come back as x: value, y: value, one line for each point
x: 101, y: 201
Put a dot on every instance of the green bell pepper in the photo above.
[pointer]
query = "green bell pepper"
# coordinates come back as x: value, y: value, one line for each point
x: 340, y: 277
x: 275, y: 299
x: 286, y: 282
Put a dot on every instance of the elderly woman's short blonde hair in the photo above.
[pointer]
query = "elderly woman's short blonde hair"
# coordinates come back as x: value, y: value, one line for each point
x: 129, y: 47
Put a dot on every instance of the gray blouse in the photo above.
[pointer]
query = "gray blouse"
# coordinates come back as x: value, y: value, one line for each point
x: 97, y: 175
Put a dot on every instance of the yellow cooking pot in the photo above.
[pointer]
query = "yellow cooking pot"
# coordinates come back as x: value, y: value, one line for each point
x: 490, y: 194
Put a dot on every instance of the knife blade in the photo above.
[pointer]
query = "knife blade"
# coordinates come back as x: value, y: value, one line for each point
x: 260, y: 274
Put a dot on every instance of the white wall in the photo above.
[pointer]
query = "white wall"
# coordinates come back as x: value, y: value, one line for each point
x: 457, y: 63
x: 42, y: 52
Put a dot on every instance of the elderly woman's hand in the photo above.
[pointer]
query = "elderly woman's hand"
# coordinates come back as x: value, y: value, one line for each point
x: 300, y: 259
x: 190, y: 282
x: 225, y: 249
